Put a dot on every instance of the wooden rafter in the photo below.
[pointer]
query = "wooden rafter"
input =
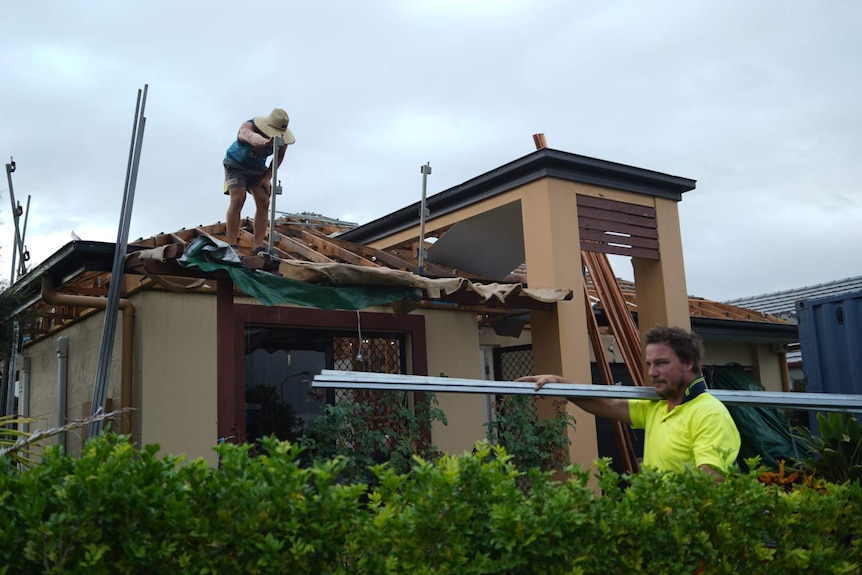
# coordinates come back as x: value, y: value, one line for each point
x: 332, y: 249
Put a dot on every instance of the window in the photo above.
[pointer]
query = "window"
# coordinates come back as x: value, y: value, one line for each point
x: 281, y: 362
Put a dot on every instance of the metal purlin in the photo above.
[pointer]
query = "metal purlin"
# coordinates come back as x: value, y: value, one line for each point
x: 334, y: 379
x: 19, y: 268
x: 100, y: 388
x: 275, y: 190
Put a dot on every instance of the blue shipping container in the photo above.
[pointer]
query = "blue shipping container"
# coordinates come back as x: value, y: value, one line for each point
x: 830, y: 337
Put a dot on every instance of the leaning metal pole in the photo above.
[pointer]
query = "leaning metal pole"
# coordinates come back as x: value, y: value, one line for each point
x: 16, y: 214
x: 275, y: 190
x: 423, y: 215
x: 7, y: 389
x: 100, y: 388
x: 25, y: 255
x: 11, y: 370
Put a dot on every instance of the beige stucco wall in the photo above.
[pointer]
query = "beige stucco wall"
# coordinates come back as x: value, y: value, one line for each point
x: 765, y: 363
x: 176, y: 373
x: 769, y: 368
x: 453, y: 349
x: 85, y: 338
x: 722, y: 352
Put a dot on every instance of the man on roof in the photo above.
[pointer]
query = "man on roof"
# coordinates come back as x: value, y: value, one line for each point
x: 688, y: 427
x: 245, y: 171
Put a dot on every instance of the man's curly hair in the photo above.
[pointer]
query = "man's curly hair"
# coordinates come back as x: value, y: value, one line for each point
x: 687, y: 346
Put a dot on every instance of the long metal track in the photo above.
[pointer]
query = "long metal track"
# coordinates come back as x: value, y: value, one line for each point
x: 103, y: 368
x: 333, y: 379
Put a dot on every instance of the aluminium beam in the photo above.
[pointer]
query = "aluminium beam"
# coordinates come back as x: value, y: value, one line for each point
x: 106, y: 349
x: 334, y: 379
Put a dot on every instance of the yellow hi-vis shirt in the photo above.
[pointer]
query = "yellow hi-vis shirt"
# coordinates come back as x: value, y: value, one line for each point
x: 697, y: 432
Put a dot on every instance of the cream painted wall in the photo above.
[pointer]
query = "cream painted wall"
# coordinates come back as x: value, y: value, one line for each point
x: 722, y: 352
x: 453, y: 348
x: 176, y: 373
x: 85, y: 339
x: 769, y: 368
x: 766, y: 364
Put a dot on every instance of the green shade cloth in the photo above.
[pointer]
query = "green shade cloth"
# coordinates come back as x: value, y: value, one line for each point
x: 764, y: 431
x: 209, y: 254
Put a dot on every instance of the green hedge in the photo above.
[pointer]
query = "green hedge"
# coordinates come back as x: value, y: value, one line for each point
x: 117, y: 509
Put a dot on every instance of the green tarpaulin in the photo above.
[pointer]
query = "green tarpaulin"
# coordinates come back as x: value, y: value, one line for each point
x: 208, y: 254
x: 764, y: 431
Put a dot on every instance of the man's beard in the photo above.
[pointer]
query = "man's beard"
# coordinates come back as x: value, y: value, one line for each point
x: 668, y: 390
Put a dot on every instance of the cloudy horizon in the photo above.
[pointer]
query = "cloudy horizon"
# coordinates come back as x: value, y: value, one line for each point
x: 757, y: 102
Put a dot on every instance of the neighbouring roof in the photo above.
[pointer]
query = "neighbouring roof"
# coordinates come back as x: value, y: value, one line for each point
x: 700, y: 307
x: 783, y: 303
x: 716, y: 320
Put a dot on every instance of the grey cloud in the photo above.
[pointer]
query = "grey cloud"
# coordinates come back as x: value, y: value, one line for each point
x: 756, y: 101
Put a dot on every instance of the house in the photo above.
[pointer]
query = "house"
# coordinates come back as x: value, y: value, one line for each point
x: 198, y: 357
x: 783, y: 304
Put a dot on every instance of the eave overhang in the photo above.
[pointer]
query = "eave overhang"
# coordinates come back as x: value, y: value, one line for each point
x: 64, y: 265
x: 544, y: 163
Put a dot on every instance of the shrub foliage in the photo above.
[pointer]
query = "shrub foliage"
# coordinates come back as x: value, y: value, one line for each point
x: 118, y: 509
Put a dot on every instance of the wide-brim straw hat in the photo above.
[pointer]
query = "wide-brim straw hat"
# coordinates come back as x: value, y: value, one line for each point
x: 275, y: 125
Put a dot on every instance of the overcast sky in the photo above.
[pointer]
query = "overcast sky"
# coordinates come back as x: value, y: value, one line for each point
x: 760, y: 102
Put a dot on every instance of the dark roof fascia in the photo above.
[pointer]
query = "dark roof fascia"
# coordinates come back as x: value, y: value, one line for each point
x: 744, y: 331
x: 539, y: 164
x: 732, y: 329
x: 64, y: 265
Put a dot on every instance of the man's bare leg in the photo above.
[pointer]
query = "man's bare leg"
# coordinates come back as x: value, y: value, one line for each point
x: 261, y: 214
x: 234, y: 211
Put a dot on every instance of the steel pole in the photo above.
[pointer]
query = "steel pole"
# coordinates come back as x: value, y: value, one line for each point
x: 275, y: 189
x: 10, y: 167
x: 7, y: 388
x: 100, y: 388
x: 423, y: 213
x: 10, y: 371
x: 25, y: 256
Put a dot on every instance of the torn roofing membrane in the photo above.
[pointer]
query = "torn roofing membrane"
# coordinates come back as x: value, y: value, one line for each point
x: 352, y: 287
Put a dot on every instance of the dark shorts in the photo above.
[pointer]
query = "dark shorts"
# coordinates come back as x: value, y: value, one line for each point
x: 235, y: 177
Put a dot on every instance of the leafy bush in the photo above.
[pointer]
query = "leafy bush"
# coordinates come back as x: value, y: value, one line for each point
x: 531, y: 441
x: 835, y: 454
x: 121, y: 510
x: 366, y: 431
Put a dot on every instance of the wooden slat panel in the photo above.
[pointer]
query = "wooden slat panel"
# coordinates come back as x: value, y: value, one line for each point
x: 613, y: 205
x: 634, y: 241
x: 609, y: 216
x: 633, y: 230
x: 605, y: 226
x: 621, y: 251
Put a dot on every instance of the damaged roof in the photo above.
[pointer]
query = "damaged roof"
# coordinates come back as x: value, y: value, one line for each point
x: 308, y: 248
